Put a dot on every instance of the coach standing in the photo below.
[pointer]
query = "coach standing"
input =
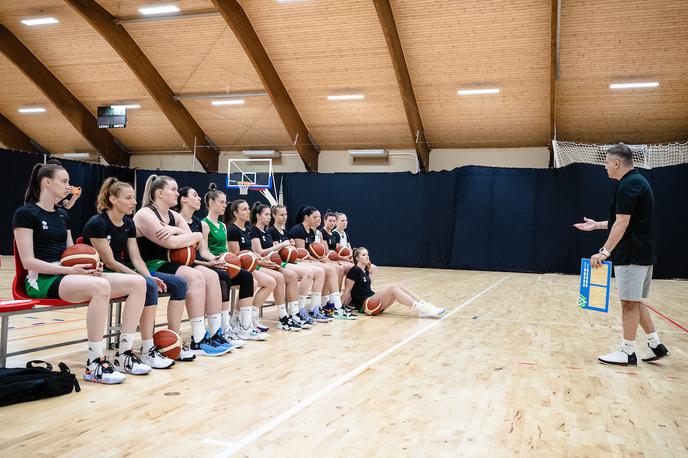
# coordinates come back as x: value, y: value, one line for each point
x: 631, y: 245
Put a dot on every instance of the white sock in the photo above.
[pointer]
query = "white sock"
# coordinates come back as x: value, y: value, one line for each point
x: 653, y: 339
x: 293, y: 307
x: 225, y: 319
x: 337, y: 299
x: 96, y: 350
x: 214, y: 323
x: 315, y: 300
x: 628, y: 347
x: 126, y: 342
x: 282, y: 309
x: 254, y: 312
x: 146, y: 345
x: 197, y: 328
x: 302, y: 301
x: 325, y: 300
x: 245, y: 317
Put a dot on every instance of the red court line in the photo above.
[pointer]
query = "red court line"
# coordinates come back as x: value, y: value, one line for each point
x: 665, y: 317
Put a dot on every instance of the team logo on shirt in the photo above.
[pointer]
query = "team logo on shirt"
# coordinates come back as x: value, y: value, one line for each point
x: 44, y: 225
x: 109, y: 237
x: 263, y: 237
x: 243, y: 240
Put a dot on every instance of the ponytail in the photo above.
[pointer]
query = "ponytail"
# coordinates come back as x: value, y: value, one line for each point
x: 110, y: 187
x: 153, y: 183
x: 39, y: 171
x: 256, y: 210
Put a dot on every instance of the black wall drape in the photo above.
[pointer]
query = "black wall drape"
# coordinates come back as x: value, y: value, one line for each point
x: 469, y: 218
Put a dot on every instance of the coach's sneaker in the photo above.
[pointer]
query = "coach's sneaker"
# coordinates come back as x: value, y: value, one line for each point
x: 206, y: 347
x: 318, y: 315
x: 155, y: 359
x: 231, y: 336
x: 129, y: 363
x: 658, y: 352
x: 286, y: 323
x: 427, y: 310
x: 101, y: 371
x: 307, y: 322
x: 341, y: 314
x: 186, y: 354
x: 219, y: 340
x: 260, y: 326
x: 619, y: 358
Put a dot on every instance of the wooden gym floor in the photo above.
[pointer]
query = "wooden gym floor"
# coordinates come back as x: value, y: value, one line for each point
x: 510, y: 371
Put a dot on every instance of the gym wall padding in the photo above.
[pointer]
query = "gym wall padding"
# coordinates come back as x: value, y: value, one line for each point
x: 482, y: 218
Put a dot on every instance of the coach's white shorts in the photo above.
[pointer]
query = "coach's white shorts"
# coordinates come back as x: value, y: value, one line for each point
x: 633, y: 281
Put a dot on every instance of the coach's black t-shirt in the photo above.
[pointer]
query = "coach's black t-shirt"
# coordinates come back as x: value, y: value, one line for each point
x: 634, y: 196
x: 264, y: 237
x: 361, y: 289
x: 278, y: 236
x: 100, y: 226
x: 330, y: 239
x: 299, y: 232
x: 49, y: 230
x: 234, y: 234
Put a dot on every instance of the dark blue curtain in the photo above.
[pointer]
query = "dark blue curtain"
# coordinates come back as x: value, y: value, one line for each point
x: 469, y: 218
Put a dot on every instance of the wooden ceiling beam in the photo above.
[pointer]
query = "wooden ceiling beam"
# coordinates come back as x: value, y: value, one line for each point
x: 120, y: 40
x: 243, y: 30
x: 408, y: 96
x: 72, y: 109
x: 14, y: 138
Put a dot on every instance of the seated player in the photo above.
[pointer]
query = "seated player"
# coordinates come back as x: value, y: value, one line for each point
x: 331, y: 239
x: 358, y: 288
x: 42, y: 232
x: 113, y: 234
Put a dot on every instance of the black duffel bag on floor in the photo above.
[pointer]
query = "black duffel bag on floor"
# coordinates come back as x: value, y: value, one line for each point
x: 31, y: 383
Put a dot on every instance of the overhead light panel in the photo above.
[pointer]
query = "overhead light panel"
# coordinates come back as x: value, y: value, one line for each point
x: 368, y: 153
x: 160, y: 9
x: 40, y: 21
x: 132, y: 106
x: 262, y: 153
x: 346, y: 97
x: 637, y: 85
x: 32, y: 110
x: 228, y: 102
x: 492, y: 90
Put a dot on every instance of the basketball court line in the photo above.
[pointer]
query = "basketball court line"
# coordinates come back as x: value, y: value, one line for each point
x: 667, y: 318
x: 233, y: 447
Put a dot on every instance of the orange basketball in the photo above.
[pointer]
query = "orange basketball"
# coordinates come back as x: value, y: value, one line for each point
x: 275, y: 257
x: 168, y: 342
x: 289, y: 254
x: 248, y: 259
x: 372, y: 306
x: 303, y: 253
x: 332, y: 255
x: 80, y: 254
x: 185, y: 256
x: 233, y: 264
x: 317, y: 250
x: 344, y: 251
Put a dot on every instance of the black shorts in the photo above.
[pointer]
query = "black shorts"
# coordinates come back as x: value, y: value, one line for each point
x: 169, y: 268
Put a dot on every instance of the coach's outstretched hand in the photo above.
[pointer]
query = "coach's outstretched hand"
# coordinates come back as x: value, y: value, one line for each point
x: 587, y: 225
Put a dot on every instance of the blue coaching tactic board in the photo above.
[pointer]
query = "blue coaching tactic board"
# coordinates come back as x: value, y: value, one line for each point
x: 594, y: 286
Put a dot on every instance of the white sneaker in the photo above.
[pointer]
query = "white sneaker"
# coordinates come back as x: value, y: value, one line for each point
x: 231, y: 336
x: 156, y: 360
x: 619, y: 358
x: 129, y: 363
x: 101, y: 371
x: 427, y: 310
x: 252, y: 334
x: 186, y: 354
x: 259, y: 326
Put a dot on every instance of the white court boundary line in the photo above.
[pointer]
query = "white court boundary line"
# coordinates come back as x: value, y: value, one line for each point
x: 233, y: 447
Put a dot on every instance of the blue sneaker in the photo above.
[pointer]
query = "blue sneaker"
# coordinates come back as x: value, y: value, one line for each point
x: 318, y: 315
x: 328, y: 310
x: 207, y: 347
x: 220, y: 340
x: 306, y: 321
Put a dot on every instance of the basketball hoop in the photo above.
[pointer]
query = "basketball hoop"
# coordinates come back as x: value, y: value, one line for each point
x: 243, y: 187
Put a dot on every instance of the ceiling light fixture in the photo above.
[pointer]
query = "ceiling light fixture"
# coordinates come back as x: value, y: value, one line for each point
x: 493, y: 90
x: 161, y: 9
x: 40, y: 21
x: 634, y: 85
x: 228, y: 102
x: 346, y: 97
x: 132, y: 106
x: 32, y: 110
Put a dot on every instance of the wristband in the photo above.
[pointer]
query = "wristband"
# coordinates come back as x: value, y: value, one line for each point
x: 604, y: 251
